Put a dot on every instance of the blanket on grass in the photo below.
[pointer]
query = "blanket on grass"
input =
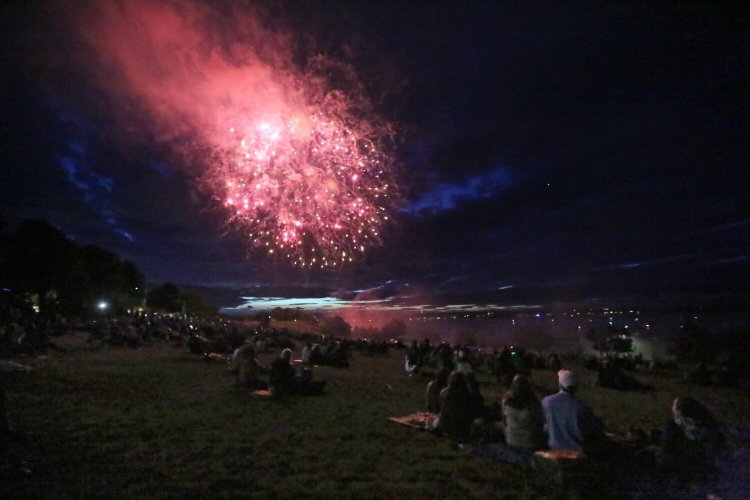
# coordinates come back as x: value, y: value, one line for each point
x: 561, y: 455
x: 509, y: 454
x: 497, y: 451
x: 415, y: 420
x: 261, y: 393
x: 306, y: 388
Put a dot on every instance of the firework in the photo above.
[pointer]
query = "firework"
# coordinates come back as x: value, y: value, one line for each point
x: 298, y: 165
x: 311, y: 188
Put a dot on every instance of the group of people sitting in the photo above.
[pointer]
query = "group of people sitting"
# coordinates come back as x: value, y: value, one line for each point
x: 502, y: 364
x: 687, y: 445
x: 283, y: 377
x: 611, y: 376
x: 328, y: 352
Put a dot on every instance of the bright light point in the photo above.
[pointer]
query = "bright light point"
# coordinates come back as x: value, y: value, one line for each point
x: 102, y: 305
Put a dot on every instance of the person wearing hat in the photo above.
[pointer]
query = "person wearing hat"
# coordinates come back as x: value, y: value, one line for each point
x: 570, y: 423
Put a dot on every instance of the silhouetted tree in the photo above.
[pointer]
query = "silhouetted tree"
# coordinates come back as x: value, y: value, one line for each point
x: 132, y: 279
x: 165, y: 298
x: 286, y: 314
x: 194, y: 304
x: 111, y: 277
x: 335, y: 326
x: 610, y: 339
x: 40, y: 264
x: 42, y: 261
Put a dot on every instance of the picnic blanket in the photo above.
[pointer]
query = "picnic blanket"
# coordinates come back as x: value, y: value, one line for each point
x: 306, y: 388
x: 215, y: 356
x: 415, y: 420
x: 560, y: 455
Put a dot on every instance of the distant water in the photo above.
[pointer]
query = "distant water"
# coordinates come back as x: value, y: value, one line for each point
x: 252, y: 305
x: 532, y: 325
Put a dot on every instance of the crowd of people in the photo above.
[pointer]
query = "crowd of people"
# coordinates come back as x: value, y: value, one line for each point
x: 521, y: 422
x: 686, y: 448
x: 283, y: 377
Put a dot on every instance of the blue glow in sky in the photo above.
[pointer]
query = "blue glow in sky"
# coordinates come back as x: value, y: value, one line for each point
x: 448, y: 196
x: 253, y: 305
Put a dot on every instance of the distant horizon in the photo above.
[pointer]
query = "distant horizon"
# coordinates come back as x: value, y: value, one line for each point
x: 250, y: 300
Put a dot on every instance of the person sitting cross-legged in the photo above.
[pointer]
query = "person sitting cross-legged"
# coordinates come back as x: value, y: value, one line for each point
x: 690, y: 441
x: 455, y: 409
x: 434, y: 388
x: 523, y: 418
x: 570, y: 423
x: 246, y: 368
x: 282, y: 379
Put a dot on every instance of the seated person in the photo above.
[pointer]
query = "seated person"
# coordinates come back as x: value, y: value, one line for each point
x: 444, y: 357
x: 455, y: 417
x: 690, y: 440
x: 432, y: 396
x: 282, y: 379
x: 307, y: 354
x: 476, y: 401
x: 570, y: 423
x: 338, y: 355
x: 246, y: 368
x: 463, y: 364
x: 523, y: 418
x: 412, y: 359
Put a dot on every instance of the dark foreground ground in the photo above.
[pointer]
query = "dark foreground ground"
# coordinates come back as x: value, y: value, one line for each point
x: 158, y: 422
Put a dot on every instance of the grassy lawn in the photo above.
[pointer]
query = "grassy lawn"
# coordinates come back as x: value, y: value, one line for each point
x: 159, y: 422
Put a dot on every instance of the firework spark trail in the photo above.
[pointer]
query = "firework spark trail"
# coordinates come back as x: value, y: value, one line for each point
x: 299, y: 167
x: 311, y: 191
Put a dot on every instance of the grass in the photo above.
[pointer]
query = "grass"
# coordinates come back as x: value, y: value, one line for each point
x: 158, y: 422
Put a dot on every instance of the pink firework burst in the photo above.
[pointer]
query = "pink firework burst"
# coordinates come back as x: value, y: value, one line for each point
x: 299, y: 164
x: 311, y: 187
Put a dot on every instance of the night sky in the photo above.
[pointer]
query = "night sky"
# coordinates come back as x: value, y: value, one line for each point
x: 552, y: 151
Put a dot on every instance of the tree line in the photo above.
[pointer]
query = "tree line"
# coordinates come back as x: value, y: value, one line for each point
x: 42, y: 268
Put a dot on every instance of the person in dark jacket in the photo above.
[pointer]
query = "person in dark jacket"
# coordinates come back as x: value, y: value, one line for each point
x: 455, y: 413
x: 434, y: 388
x: 282, y: 380
x: 690, y: 441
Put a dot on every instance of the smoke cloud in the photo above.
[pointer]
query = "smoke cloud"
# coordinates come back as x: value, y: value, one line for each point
x: 293, y: 151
